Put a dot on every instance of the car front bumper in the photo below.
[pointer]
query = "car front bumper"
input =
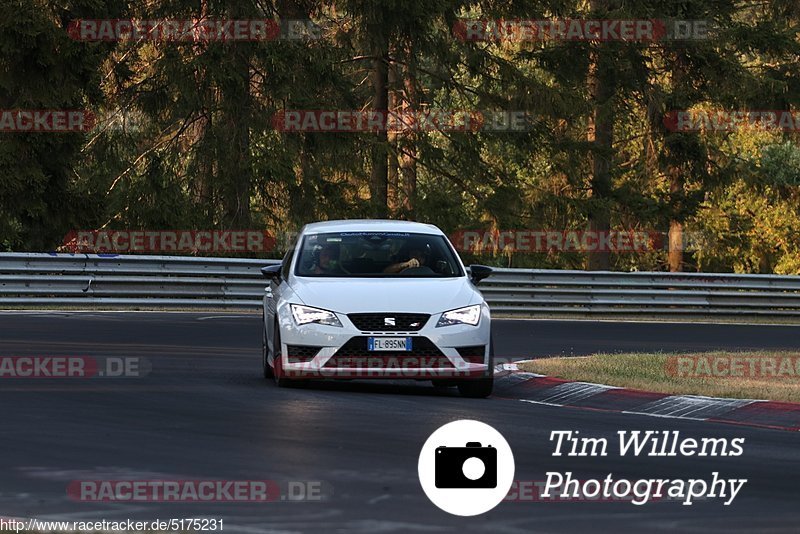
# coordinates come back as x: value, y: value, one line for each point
x: 342, y: 350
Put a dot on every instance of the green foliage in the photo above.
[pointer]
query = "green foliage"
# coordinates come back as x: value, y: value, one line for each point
x: 185, y: 137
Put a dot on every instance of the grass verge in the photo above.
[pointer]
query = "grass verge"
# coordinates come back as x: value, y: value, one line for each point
x: 743, y: 375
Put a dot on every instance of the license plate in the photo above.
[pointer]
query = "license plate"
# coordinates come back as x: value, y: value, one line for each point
x: 389, y: 343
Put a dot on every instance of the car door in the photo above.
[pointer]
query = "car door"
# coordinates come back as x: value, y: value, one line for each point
x: 278, y: 287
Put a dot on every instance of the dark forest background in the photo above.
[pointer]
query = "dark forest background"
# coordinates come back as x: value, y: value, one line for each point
x: 185, y: 139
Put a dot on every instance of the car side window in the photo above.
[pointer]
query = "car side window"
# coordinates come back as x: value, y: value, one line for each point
x: 287, y: 260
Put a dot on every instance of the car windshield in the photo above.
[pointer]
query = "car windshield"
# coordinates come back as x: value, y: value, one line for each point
x: 371, y: 254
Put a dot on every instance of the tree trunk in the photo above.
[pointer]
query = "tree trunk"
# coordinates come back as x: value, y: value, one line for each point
x: 395, y: 103
x: 677, y: 162
x: 675, y: 256
x: 408, y: 151
x: 303, y: 205
x: 200, y: 145
x: 675, y: 246
x: 235, y: 162
x: 302, y: 193
x: 602, y: 88
x: 379, y: 190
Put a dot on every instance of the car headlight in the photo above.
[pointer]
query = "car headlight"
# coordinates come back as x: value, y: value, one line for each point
x: 306, y: 314
x: 469, y: 315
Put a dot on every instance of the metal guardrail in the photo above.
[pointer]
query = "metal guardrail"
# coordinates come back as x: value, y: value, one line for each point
x: 135, y: 281
x: 176, y: 282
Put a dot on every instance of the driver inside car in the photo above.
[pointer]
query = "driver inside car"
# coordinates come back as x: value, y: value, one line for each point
x: 327, y: 261
x: 417, y: 258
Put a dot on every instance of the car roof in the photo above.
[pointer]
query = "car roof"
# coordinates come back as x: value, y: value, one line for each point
x: 371, y: 225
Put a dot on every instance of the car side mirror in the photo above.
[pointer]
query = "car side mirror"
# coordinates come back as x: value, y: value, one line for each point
x: 272, y: 271
x: 479, y: 272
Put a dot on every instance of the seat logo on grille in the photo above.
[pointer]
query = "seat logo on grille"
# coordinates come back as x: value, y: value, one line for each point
x: 389, y: 321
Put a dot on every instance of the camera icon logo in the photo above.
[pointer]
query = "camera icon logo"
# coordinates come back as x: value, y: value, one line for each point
x: 472, y: 466
x: 466, y: 467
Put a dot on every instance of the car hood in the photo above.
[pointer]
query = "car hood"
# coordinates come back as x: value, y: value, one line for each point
x: 423, y: 295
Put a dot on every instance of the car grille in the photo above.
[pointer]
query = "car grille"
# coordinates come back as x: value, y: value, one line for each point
x: 473, y: 354
x: 424, y: 353
x: 301, y: 353
x: 376, y: 322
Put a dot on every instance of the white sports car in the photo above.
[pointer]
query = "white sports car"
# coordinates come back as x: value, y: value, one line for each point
x: 377, y: 299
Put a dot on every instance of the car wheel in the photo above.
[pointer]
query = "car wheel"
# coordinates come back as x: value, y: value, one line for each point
x: 482, y: 387
x: 477, y: 389
x: 277, y: 361
x: 264, y: 356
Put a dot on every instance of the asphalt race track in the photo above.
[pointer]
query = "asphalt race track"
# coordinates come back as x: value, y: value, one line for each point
x: 203, y: 411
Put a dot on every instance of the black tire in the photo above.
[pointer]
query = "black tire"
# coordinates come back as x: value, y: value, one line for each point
x: 268, y: 374
x: 482, y: 387
x: 277, y: 371
x: 476, y: 389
